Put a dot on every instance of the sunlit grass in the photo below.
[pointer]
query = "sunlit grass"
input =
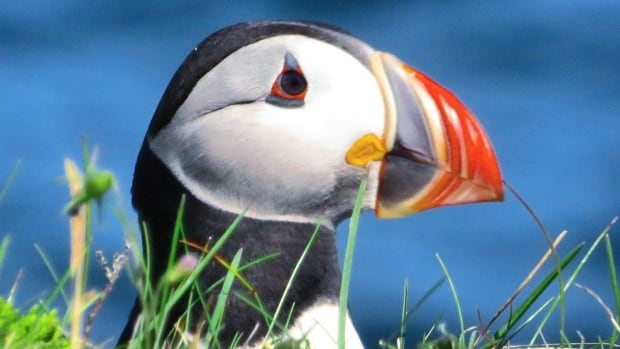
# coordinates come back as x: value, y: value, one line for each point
x: 48, y: 329
x: 343, y: 299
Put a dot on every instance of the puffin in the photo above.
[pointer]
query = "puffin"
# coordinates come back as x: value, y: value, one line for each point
x: 275, y: 125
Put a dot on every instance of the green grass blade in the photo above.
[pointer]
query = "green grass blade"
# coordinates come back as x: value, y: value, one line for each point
x: 403, y: 317
x: 218, y: 312
x: 236, y: 341
x: 157, y: 321
x: 85, y: 154
x: 60, y: 282
x: 3, y: 249
x: 411, y: 310
x: 527, y: 321
x: 9, y: 180
x: 242, y: 268
x: 502, y: 333
x: 177, y: 232
x: 343, y: 302
x: 454, y: 295
x: 289, y: 317
x: 613, y: 276
x: 146, y: 263
x: 289, y: 284
x: 178, y: 226
x: 146, y: 293
x: 204, y: 260
x: 612, y: 272
x: 570, y: 280
x: 256, y: 305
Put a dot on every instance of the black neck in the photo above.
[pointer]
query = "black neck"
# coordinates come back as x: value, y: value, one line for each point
x: 156, y: 197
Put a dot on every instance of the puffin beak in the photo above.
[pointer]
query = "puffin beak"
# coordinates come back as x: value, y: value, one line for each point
x: 433, y: 151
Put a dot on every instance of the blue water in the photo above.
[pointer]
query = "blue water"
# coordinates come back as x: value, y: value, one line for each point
x: 543, y: 78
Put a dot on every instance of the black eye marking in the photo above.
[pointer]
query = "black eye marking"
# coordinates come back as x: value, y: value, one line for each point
x: 289, y: 88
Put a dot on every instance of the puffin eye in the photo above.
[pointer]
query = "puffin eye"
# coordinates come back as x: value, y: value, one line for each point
x: 289, y: 88
x: 293, y: 83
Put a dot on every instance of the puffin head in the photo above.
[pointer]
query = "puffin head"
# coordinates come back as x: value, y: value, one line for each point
x: 282, y: 120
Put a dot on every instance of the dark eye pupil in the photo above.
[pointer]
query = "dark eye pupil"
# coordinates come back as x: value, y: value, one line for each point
x: 293, y: 83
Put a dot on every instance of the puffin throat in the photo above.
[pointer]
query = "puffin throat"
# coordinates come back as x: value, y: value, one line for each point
x: 156, y: 196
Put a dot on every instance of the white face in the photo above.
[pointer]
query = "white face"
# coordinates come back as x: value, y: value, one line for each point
x: 235, y: 151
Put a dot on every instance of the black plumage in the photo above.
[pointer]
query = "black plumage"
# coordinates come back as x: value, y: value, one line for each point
x: 156, y: 197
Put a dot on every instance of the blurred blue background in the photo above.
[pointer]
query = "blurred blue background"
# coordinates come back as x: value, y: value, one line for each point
x: 542, y: 76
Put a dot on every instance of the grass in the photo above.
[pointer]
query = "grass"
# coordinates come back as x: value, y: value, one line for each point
x: 348, y: 265
x: 41, y: 326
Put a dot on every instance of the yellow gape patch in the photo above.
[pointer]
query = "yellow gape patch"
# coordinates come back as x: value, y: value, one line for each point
x: 366, y: 149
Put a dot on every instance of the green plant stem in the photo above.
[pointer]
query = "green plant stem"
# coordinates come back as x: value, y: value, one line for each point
x: 614, y: 278
x: 215, y: 323
x: 343, y: 301
x: 403, y: 316
x: 178, y: 226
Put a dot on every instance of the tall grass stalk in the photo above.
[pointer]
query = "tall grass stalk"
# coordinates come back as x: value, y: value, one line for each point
x: 403, y: 317
x: 455, y: 296
x: 215, y: 322
x: 343, y: 301
x: 614, y: 279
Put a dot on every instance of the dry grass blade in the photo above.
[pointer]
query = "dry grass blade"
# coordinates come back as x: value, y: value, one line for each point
x: 527, y: 279
x: 612, y: 316
x: 77, y: 224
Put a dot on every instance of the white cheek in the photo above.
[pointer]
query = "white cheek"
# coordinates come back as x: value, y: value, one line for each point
x: 234, y: 161
x: 266, y: 160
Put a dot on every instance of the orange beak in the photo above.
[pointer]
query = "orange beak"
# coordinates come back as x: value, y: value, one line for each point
x: 435, y: 152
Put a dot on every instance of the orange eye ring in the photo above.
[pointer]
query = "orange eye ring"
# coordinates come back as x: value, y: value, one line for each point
x: 290, y: 84
x: 290, y: 87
